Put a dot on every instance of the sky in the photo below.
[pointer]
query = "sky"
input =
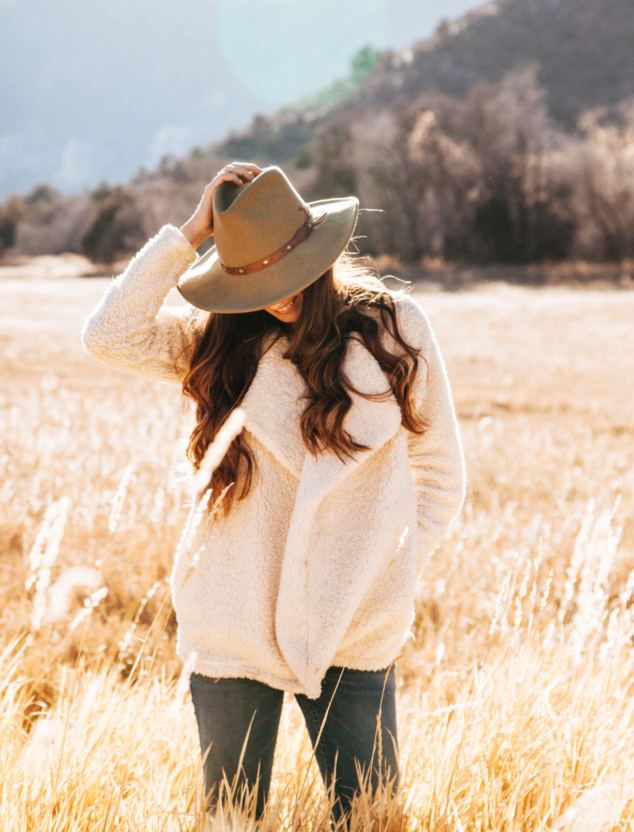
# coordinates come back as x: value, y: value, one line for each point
x: 91, y: 90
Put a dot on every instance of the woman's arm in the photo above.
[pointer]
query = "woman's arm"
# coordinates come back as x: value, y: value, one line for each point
x: 131, y: 328
x: 436, y: 457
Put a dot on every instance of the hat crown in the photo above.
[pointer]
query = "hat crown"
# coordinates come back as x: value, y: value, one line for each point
x: 253, y: 220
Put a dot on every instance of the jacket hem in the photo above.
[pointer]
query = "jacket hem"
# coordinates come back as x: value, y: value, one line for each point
x: 360, y: 664
x: 376, y: 662
x: 241, y: 671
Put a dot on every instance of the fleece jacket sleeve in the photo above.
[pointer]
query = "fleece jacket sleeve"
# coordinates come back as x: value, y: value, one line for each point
x: 131, y: 328
x: 435, y: 456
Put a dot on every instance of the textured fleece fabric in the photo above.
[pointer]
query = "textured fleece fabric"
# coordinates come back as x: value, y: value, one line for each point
x: 318, y: 565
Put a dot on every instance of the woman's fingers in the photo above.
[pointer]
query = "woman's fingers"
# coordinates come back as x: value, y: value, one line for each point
x: 236, y: 172
x: 251, y: 167
x: 200, y: 224
x: 240, y: 171
x: 228, y: 176
x: 246, y: 170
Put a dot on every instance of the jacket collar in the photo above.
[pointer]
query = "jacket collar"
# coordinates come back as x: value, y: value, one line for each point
x: 275, y: 401
x: 274, y: 405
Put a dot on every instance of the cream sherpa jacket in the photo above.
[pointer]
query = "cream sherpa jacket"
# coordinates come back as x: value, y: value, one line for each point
x: 318, y: 565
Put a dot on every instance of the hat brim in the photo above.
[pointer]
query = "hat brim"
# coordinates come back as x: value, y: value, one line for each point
x: 207, y: 286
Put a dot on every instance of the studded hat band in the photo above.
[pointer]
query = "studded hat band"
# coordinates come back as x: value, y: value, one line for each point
x: 301, y: 235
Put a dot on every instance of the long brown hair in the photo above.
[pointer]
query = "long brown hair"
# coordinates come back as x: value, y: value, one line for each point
x: 346, y: 299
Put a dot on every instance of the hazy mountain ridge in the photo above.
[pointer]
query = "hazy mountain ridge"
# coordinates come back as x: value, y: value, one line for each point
x: 93, y: 91
x: 464, y: 141
x: 584, y: 50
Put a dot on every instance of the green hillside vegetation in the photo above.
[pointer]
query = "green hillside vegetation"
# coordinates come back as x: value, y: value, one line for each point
x: 361, y: 66
x: 503, y: 139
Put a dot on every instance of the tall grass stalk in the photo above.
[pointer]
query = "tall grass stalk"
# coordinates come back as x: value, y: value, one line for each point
x: 43, y: 556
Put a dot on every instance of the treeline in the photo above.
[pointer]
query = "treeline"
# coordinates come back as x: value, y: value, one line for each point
x: 486, y: 179
x: 489, y: 178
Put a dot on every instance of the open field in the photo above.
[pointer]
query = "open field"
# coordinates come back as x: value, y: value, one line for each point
x: 516, y: 709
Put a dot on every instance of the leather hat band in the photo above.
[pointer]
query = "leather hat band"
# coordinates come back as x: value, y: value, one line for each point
x: 301, y: 235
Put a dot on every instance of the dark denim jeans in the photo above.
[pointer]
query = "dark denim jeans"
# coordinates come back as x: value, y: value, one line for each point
x: 364, y: 699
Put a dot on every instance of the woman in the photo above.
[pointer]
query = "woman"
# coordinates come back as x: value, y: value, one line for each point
x: 345, y: 477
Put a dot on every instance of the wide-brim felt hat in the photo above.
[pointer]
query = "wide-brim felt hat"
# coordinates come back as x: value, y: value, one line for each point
x: 269, y: 244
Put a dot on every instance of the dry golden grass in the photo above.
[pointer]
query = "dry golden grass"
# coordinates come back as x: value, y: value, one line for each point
x: 515, y: 691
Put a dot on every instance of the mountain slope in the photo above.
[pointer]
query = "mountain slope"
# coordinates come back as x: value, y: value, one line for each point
x: 584, y: 49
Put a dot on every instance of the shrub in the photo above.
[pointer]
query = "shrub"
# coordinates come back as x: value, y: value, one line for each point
x: 11, y: 213
x: 116, y: 223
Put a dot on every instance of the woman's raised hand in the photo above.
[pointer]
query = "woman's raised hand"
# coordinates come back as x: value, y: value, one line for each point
x: 200, y: 225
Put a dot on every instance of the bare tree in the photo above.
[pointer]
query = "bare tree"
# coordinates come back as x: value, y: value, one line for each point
x: 602, y: 171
